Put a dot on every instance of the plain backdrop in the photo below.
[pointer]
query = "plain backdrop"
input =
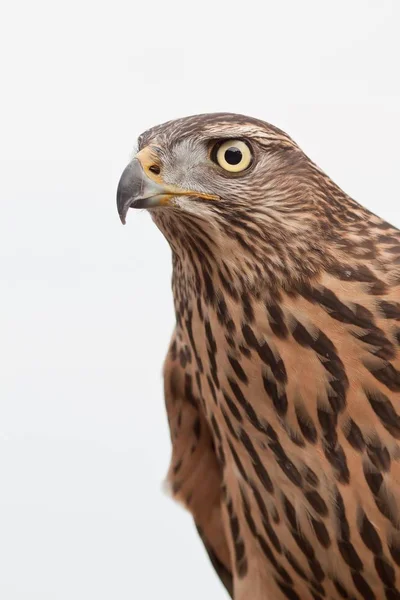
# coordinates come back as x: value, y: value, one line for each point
x: 86, y: 308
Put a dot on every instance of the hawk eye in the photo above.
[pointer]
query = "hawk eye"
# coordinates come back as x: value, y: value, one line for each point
x: 232, y: 155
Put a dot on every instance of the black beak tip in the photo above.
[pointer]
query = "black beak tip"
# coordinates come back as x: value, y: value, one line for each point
x: 124, y: 200
x: 129, y: 187
x: 121, y: 211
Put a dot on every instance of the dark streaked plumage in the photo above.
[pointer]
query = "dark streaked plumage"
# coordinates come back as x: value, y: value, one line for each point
x: 282, y: 380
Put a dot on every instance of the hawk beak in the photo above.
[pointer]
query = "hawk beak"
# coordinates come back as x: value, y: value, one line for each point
x: 137, y: 190
x: 139, y: 187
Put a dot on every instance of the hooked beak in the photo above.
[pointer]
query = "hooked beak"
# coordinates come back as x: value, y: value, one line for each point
x: 138, y: 188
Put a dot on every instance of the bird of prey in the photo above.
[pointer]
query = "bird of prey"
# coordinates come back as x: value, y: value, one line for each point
x: 282, y: 380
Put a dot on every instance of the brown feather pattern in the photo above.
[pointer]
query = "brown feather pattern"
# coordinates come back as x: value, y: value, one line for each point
x: 282, y: 380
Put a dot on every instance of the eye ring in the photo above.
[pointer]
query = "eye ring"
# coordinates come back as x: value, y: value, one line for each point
x: 233, y: 156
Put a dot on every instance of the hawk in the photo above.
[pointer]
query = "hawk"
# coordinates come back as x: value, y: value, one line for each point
x: 282, y: 380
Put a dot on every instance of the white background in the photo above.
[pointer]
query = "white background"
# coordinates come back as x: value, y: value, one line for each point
x: 86, y: 309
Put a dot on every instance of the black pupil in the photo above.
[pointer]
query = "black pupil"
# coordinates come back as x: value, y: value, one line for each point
x: 233, y: 156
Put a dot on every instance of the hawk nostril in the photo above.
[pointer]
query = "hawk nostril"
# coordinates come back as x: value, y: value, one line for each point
x: 155, y: 169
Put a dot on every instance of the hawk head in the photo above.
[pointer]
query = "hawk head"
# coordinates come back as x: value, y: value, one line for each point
x: 240, y: 190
